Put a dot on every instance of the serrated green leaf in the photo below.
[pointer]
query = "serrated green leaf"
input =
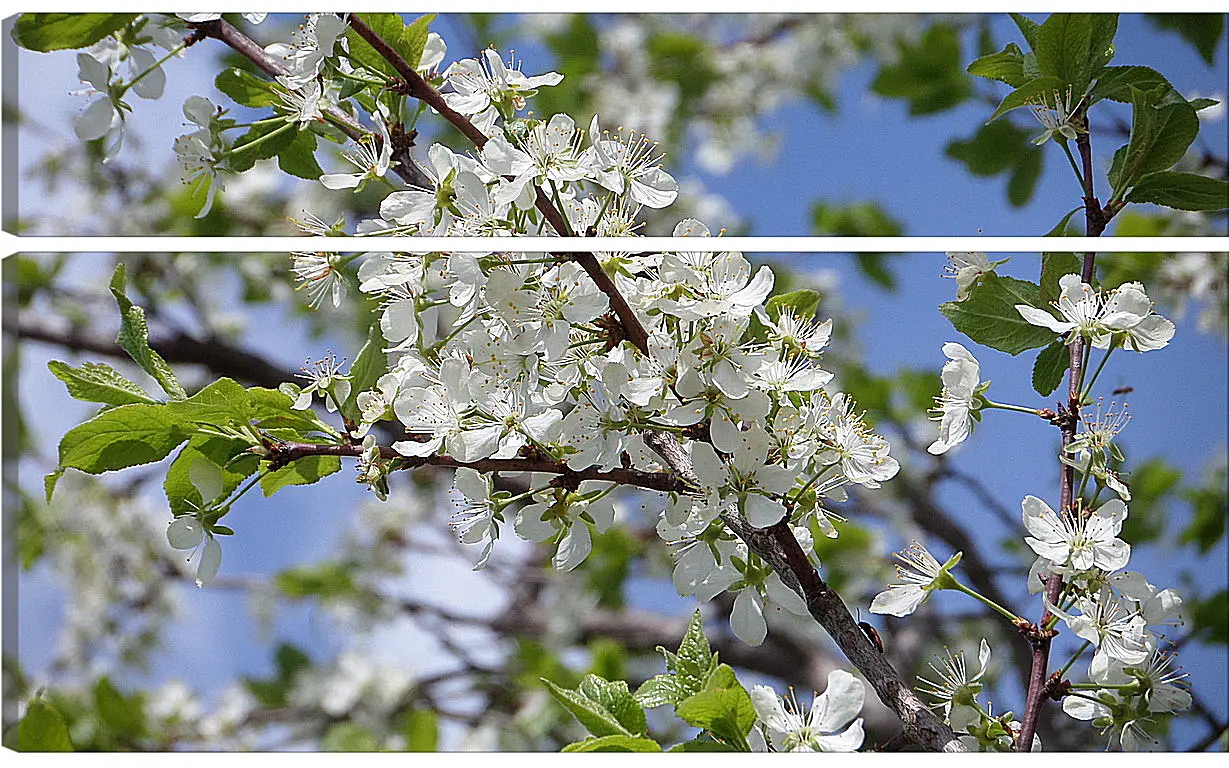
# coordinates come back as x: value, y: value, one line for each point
x: 245, y: 88
x: 298, y: 158
x: 406, y: 40
x: 221, y: 402
x: 1006, y: 66
x: 662, y: 689
x: 1183, y: 191
x: 1053, y: 267
x: 61, y: 31
x: 41, y: 730
x: 1073, y: 47
x: 1114, y: 83
x: 589, y: 713
x: 615, y: 698
x: 98, y: 383
x: 1042, y: 87
x: 614, y: 744
x: 133, y: 338
x: 1049, y: 367
x: 1160, y: 136
x: 1029, y: 28
x: 125, y: 436
x: 305, y: 471
x: 724, y: 707
x: 989, y: 316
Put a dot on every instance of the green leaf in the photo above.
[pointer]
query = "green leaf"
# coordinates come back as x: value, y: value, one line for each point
x: 1114, y: 83
x: 1002, y: 147
x: 98, y: 383
x: 1023, y: 181
x: 60, y: 31
x: 1006, y: 66
x: 927, y: 73
x: 303, y: 471
x: 592, y: 715
x: 349, y: 737
x: 854, y: 220
x: 703, y: 743
x: 614, y: 696
x: 229, y: 456
x: 1032, y: 91
x: 1049, y: 367
x: 50, y: 480
x: 326, y: 581
x: 134, y: 338
x: 804, y: 303
x: 1075, y: 46
x: 662, y: 689
x: 1053, y: 267
x: 245, y: 88
x: 1208, y: 618
x: 298, y: 158
x: 1029, y: 28
x: 1201, y: 30
x: 1060, y: 229
x: 724, y: 707
x: 243, y: 160
x: 122, y: 437
x: 989, y: 317
x: 614, y: 744
x: 220, y: 403
x: 1183, y: 191
x: 41, y: 730
x: 1160, y: 136
x: 874, y: 267
x: 123, y: 715
x: 370, y: 364
x: 408, y: 41
x: 689, y: 669
x: 421, y: 731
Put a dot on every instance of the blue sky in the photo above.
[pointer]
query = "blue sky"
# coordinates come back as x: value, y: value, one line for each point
x: 871, y: 150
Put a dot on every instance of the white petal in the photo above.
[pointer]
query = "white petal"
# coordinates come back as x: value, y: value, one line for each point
x: 211, y: 561
x: 747, y: 617
x: 185, y: 532
x: 574, y: 548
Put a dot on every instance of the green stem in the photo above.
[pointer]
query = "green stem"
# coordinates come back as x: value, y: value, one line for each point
x: 1074, y: 166
x: 173, y: 52
x: 1085, y: 392
x: 1063, y: 672
x: 1014, y: 619
x: 266, y: 121
x: 1008, y: 406
x: 261, y: 140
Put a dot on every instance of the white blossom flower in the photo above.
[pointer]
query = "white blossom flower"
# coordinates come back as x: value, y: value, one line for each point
x: 372, y: 155
x: 1128, y: 315
x: 1077, y: 541
x: 323, y: 376
x: 922, y: 575
x: 103, y: 118
x: 831, y: 725
x: 483, y: 90
x: 1059, y: 120
x: 632, y: 167
x: 967, y: 268
x: 199, y: 18
x: 1117, y: 632
x: 474, y: 521
x: 320, y: 274
x: 955, y: 406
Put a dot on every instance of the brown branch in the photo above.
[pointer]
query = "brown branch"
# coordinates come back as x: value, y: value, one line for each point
x: 1094, y: 225
x: 284, y: 452
x: 226, y: 32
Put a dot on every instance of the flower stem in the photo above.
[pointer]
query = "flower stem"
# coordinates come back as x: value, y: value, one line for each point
x: 1074, y: 166
x: 1008, y: 406
x: 1079, y: 652
x: 260, y: 140
x: 975, y: 594
x: 173, y: 52
x: 1085, y: 392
